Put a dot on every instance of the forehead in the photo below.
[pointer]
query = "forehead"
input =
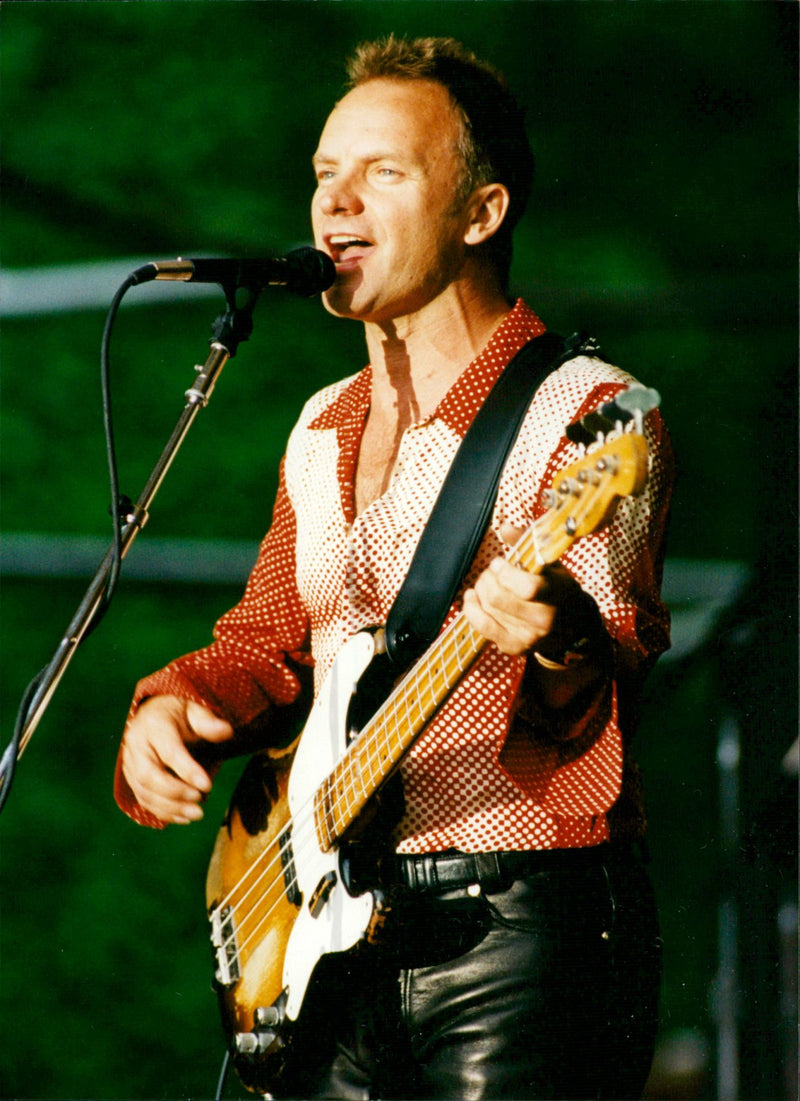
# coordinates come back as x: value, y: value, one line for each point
x: 415, y: 117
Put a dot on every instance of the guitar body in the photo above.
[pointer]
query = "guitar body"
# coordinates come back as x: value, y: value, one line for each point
x: 277, y: 898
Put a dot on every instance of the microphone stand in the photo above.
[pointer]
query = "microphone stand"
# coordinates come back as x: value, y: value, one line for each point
x: 229, y: 330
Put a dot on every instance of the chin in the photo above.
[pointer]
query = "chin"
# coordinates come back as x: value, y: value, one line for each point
x: 343, y: 302
x: 341, y: 299
x: 338, y: 305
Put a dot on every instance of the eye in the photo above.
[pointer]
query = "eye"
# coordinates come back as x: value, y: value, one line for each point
x: 323, y: 170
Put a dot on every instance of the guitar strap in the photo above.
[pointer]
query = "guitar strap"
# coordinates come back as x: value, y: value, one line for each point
x: 464, y: 506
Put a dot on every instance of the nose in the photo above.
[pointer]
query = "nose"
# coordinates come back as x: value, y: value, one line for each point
x: 340, y: 195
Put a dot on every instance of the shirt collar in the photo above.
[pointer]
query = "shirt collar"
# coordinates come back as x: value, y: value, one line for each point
x: 465, y: 397
x: 458, y: 407
x: 351, y: 404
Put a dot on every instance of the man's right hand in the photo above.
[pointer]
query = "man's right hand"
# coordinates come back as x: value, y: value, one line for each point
x: 157, y: 761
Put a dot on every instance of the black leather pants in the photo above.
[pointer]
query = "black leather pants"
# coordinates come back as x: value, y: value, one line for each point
x: 545, y: 989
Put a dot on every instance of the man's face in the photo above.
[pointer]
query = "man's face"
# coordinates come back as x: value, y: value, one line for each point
x: 385, y: 208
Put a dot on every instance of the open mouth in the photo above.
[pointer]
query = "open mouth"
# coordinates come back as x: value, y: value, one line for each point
x: 345, y: 247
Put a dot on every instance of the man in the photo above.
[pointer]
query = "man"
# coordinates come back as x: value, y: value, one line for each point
x: 539, y: 978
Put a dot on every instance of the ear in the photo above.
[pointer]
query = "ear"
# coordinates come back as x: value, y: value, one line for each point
x: 487, y: 207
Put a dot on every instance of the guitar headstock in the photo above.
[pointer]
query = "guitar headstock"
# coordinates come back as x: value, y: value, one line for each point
x: 584, y: 496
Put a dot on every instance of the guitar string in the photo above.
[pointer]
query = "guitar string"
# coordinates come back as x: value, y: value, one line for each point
x: 582, y: 494
x: 345, y: 774
x: 450, y: 654
x: 585, y: 499
x: 291, y: 883
x: 520, y: 554
x: 345, y: 762
x: 370, y: 753
x: 351, y: 768
x: 288, y: 884
x: 404, y: 691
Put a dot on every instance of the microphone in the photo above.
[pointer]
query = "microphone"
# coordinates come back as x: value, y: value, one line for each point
x: 305, y: 271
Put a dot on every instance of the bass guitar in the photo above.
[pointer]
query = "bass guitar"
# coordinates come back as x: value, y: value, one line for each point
x: 277, y: 887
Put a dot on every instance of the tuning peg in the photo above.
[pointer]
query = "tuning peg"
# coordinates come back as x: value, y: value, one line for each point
x: 634, y: 403
x: 637, y: 399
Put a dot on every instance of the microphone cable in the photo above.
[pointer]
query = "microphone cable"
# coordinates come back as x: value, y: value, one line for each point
x: 8, y: 763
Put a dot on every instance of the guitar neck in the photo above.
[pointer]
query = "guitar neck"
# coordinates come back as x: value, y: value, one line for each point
x: 389, y: 734
x: 582, y: 499
x: 385, y: 739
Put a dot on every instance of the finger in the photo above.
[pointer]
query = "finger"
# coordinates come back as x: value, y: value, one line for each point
x: 512, y: 626
x: 506, y: 607
x: 172, y: 753
x: 156, y: 744
x: 511, y: 534
x: 512, y: 579
x: 206, y: 725
x: 478, y: 617
x: 162, y: 793
x: 171, y: 809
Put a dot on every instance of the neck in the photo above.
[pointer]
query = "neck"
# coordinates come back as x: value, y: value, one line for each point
x: 417, y: 359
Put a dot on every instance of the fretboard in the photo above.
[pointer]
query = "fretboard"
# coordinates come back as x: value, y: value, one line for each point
x: 582, y: 499
x: 385, y: 739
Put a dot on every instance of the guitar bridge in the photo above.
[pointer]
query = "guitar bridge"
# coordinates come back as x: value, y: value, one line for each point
x: 223, y: 938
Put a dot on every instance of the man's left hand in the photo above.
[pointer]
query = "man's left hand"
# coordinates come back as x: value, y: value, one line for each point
x: 521, y: 611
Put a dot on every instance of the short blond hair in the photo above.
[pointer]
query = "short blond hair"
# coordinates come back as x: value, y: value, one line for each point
x: 494, y: 145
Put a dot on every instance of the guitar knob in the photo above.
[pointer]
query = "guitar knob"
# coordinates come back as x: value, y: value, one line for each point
x: 252, y: 1044
x: 267, y: 1016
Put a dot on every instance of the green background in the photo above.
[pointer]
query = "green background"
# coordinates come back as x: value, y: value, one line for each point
x: 663, y: 220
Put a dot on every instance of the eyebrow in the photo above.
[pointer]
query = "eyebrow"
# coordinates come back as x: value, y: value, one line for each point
x: 368, y: 157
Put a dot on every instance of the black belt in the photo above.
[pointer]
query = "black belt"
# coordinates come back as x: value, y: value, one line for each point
x: 491, y: 872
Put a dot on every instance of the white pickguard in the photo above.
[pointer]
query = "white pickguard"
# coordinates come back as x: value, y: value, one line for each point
x: 343, y: 918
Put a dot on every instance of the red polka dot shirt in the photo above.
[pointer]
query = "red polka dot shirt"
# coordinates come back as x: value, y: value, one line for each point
x: 486, y: 773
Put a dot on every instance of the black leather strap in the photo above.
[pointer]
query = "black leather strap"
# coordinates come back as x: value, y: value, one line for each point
x: 464, y: 506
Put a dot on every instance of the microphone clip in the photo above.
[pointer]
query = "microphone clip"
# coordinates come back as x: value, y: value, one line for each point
x: 235, y: 325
